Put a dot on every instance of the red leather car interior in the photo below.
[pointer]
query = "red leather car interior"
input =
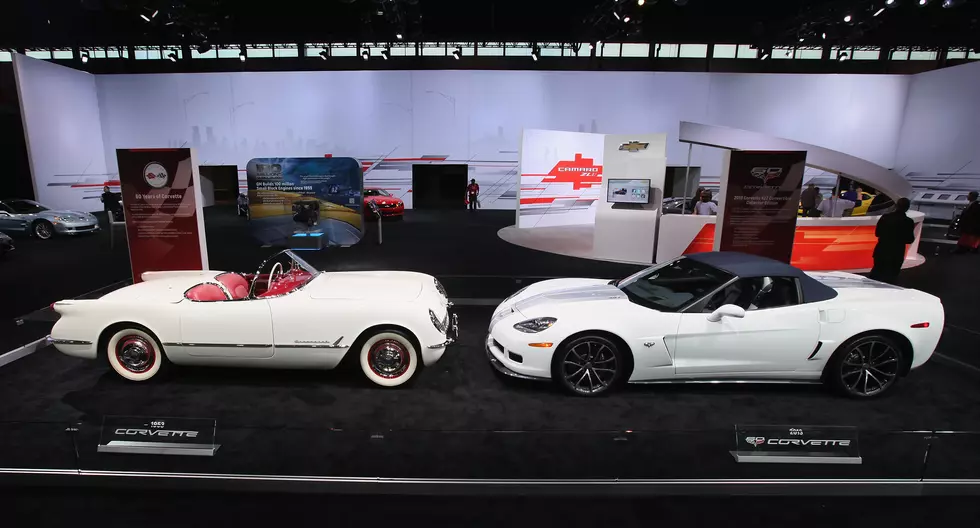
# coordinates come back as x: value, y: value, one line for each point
x: 206, y: 292
x: 236, y: 284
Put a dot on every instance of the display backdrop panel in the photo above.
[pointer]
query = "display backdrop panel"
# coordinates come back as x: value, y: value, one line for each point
x: 758, y: 211
x: 561, y: 178
x: 282, y: 191
x: 161, y: 197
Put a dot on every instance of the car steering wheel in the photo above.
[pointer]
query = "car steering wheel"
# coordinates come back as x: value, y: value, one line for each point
x: 272, y: 274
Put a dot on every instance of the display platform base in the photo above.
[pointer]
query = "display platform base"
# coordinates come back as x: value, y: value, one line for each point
x: 309, y: 241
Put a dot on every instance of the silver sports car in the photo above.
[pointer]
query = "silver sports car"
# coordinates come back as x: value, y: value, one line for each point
x: 28, y: 216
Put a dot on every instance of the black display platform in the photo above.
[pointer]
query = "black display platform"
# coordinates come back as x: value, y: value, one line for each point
x: 459, y: 419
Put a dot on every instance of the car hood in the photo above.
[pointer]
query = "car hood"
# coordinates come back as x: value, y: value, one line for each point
x: 382, y: 286
x: 161, y: 286
x: 68, y: 216
x: 561, y: 291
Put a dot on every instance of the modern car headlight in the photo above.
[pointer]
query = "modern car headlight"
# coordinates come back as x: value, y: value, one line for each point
x: 57, y: 219
x: 440, y: 325
x: 533, y: 326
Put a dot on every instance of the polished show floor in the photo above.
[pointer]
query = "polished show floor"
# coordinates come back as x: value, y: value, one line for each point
x: 482, y: 425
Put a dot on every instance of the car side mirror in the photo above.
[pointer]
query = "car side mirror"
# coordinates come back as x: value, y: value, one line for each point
x: 727, y: 310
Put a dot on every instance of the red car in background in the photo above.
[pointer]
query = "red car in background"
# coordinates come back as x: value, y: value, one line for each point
x: 387, y: 204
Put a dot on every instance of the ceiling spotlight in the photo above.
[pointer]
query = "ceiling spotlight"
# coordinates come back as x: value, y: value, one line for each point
x: 144, y: 17
x: 399, y: 36
x: 155, y: 13
x: 640, y: 2
x: 84, y: 57
x: 386, y: 53
x: 879, y: 11
x: 615, y: 14
x: 241, y: 56
x: 842, y: 55
x: 951, y: 3
x: 681, y: 2
x: 324, y: 54
x: 366, y: 54
x: 626, y: 18
x: 847, y: 18
x: 889, y: 3
x: 801, y: 39
x: 923, y: 2
x: 457, y: 53
x: 823, y: 36
x: 765, y: 56
x: 172, y: 56
x: 535, y: 52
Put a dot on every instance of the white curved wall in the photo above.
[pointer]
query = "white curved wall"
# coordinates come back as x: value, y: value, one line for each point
x: 480, y: 114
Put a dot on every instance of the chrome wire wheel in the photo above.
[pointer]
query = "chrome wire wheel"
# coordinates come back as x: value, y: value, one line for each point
x: 389, y: 359
x: 135, y: 354
x: 589, y: 366
x: 870, y: 366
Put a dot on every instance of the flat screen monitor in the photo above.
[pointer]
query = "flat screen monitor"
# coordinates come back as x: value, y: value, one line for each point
x: 628, y: 191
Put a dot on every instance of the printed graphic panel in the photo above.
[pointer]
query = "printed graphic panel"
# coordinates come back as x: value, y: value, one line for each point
x: 164, y: 217
x: 293, y: 195
x: 561, y: 178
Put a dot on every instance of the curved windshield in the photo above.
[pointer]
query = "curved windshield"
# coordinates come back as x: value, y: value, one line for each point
x: 26, y: 206
x: 376, y: 192
x: 672, y: 286
x: 283, y: 273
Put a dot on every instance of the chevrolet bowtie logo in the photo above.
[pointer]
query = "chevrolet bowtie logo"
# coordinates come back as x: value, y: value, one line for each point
x: 634, y: 146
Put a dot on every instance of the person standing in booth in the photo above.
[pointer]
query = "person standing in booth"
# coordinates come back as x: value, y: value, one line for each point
x: 705, y: 206
x: 970, y: 226
x: 808, y: 200
x: 472, y: 194
x: 894, y: 230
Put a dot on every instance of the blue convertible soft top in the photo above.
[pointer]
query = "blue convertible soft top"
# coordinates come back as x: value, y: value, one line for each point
x: 745, y: 265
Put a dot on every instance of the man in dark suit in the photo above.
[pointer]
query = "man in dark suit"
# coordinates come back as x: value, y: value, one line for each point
x: 895, y: 230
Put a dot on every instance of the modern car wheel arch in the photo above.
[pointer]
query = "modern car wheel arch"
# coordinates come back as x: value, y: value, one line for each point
x: 620, y: 343
x: 907, y: 351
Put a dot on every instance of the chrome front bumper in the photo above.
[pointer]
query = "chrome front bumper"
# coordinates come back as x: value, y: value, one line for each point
x: 452, y: 333
x: 75, y: 229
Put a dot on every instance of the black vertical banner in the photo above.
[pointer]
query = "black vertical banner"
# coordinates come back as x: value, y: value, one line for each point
x: 761, y: 201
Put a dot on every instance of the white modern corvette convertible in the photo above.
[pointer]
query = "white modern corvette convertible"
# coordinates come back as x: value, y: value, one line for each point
x: 716, y: 317
x: 285, y: 315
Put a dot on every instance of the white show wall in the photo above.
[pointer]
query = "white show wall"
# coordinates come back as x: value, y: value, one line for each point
x: 941, y: 130
x: 60, y: 110
x: 477, y: 116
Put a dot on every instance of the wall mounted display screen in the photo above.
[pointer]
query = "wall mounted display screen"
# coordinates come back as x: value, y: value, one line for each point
x: 628, y: 191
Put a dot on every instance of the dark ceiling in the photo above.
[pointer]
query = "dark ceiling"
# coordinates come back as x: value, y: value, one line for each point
x: 49, y: 23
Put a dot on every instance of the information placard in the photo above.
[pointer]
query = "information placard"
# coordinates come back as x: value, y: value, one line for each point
x: 760, y: 203
x: 796, y: 444
x: 158, y: 436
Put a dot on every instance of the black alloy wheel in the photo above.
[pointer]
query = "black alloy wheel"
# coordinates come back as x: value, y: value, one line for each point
x: 43, y: 229
x: 866, y: 367
x: 589, y: 365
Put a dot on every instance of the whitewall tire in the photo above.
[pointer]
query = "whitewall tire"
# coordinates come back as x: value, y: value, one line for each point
x: 134, y: 354
x: 389, y: 359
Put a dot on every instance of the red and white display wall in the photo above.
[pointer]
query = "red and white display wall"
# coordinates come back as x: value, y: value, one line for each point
x: 561, y: 178
x: 161, y: 194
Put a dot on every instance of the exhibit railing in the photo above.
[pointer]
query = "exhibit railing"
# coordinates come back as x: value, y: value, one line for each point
x: 464, y: 462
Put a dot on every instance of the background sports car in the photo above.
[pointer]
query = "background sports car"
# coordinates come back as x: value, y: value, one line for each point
x: 30, y: 217
x: 387, y: 204
x: 285, y: 315
x: 716, y: 316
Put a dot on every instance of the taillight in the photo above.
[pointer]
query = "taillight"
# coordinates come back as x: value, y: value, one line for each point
x: 920, y: 325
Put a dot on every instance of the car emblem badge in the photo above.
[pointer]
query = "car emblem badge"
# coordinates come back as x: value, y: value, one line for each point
x: 755, y: 440
x: 156, y: 175
x: 634, y: 146
x: 648, y: 345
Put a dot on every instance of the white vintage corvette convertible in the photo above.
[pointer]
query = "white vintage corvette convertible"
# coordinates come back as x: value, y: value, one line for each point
x: 716, y: 317
x: 285, y: 315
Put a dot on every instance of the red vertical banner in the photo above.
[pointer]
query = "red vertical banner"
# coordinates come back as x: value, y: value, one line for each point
x: 164, y: 218
x: 760, y: 203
